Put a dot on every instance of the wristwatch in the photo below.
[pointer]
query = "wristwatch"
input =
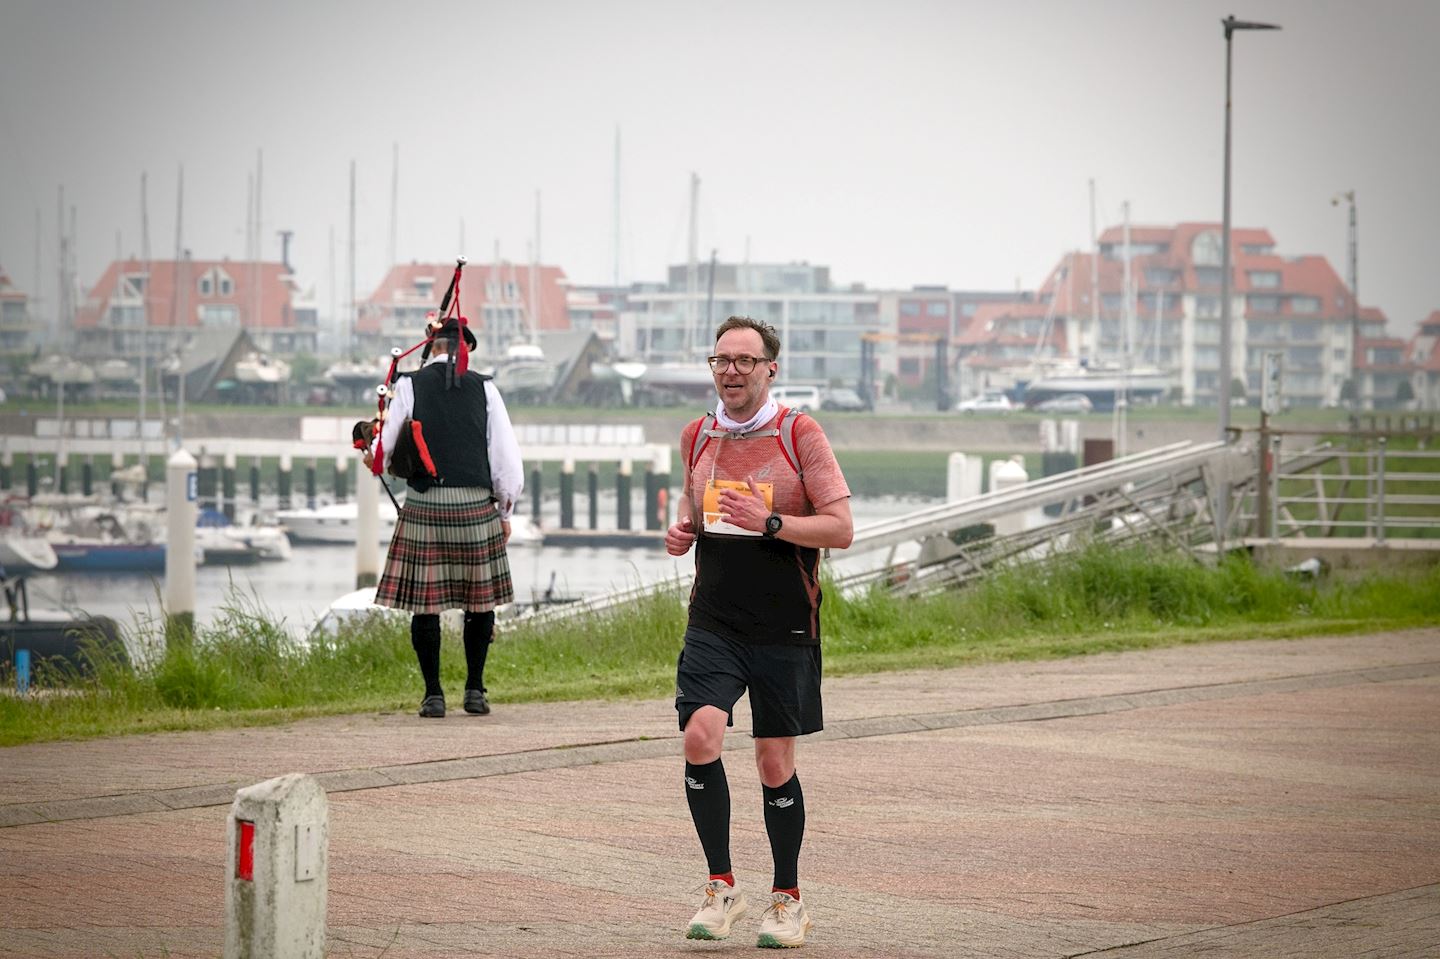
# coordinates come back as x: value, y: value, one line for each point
x: 773, y: 522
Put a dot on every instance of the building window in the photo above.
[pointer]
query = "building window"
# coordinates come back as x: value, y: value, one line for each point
x: 909, y: 308
x: 937, y: 308
x: 1265, y: 279
x: 1157, y: 276
x: 219, y: 316
x: 1263, y: 304
x: 1306, y: 305
x: 207, y: 285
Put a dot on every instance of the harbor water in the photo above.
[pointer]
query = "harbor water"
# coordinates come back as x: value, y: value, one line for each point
x: 297, y: 591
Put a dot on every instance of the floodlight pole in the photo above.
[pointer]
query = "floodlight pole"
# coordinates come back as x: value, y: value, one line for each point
x: 1231, y: 25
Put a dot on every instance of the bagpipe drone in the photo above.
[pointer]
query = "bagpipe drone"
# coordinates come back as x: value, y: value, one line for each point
x: 411, y: 457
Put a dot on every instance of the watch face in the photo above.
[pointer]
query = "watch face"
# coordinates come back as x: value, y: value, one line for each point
x: 773, y: 524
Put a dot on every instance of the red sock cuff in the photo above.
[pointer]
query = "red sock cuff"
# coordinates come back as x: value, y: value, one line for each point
x: 794, y: 893
x: 727, y: 876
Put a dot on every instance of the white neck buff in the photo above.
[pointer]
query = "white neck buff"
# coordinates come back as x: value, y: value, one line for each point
x: 723, y: 420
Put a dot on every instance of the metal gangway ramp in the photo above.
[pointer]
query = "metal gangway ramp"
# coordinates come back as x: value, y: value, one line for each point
x: 1179, y: 493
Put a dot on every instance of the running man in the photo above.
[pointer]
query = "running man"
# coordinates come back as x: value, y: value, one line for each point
x: 762, y: 497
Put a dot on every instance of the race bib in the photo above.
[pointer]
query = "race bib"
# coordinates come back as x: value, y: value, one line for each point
x: 711, y: 503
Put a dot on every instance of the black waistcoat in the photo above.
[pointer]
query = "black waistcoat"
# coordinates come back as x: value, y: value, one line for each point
x: 453, y: 424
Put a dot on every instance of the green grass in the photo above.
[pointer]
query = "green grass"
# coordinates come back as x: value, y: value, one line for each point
x: 244, y: 670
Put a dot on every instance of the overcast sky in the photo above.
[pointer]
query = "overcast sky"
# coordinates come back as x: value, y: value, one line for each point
x: 900, y: 143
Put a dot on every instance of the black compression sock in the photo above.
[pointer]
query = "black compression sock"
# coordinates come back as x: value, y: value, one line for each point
x: 785, y: 825
x: 708, y: 792
x: 425, y: 637
x: 479, y: 632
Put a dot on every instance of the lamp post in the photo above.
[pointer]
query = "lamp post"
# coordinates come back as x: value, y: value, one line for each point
x: 1231, y: 25
x: 1352, y: 242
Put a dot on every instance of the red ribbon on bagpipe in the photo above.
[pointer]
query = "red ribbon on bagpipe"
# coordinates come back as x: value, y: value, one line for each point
x: 446, y: 323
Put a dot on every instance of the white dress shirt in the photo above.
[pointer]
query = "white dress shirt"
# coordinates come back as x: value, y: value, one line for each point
x: 507, y: 469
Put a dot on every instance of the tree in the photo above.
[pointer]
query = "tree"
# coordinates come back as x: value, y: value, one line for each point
x: 1348, y: 391
x: 1404, y: 392
x: 1237, y: 389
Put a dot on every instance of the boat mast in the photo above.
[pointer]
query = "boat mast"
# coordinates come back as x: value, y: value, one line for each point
x: 394, y: 197
x: 1122, y: 398
x: 615, y: 223
x: 145, y: 310
x: 691, y: 271
x: 534, y: 290
x: 350, y: 316
x: 1094, y: 338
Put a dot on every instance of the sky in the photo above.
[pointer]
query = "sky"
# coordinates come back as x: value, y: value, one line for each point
x: 899, y: 143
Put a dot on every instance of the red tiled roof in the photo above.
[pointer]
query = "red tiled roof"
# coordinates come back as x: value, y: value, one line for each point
x: 274, y: 281
x: 399, y: 287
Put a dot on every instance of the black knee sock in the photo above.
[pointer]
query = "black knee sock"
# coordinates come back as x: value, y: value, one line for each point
x: 785, y: 825
x: 425, y: 637
x: 708, y: 792
x: 479, y: 631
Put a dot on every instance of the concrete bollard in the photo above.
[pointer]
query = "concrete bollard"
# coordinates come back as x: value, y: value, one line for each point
x: 181, y: 491
x: 367, y: 528
x: 277, y: 870
x: 567, y: 494
x: 622, y: 496
x: 962, y: 477
x: 1007, y: 474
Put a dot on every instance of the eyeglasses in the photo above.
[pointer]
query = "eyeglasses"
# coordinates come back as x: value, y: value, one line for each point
x: 744, y: 365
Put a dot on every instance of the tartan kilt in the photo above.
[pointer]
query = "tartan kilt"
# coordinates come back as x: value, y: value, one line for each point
x: 448, y: 552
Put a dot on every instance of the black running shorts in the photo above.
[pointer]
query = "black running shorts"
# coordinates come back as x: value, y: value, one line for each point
x: 784, y: 683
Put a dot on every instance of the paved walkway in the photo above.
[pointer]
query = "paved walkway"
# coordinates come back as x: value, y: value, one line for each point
x: 1276, y: 798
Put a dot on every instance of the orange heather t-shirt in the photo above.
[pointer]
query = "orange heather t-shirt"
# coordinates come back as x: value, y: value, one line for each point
x: 748, y: 588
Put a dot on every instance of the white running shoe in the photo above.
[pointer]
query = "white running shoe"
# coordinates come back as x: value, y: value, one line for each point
x: 784, y: 924
x: 722, y: 906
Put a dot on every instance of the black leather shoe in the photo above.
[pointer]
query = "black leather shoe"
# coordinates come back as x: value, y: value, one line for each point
x: 433, y: 707
x: 475, y: 702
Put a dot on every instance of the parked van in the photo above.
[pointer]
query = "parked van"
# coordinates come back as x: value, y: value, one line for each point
x: 806, y: 399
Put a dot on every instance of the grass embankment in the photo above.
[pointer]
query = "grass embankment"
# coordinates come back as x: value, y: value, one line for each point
x: 245, y: 671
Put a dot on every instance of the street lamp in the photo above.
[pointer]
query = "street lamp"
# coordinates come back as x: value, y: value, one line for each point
x: 1352, y: 239
x: 1231, y: 25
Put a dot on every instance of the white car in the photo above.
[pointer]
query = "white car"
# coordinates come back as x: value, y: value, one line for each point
x: 805, y: 399
x: 985, y: 403
x: 1065, y: 403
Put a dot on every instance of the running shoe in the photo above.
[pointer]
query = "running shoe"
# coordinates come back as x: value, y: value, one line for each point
x: 784, y: 924
x: 722, y: 906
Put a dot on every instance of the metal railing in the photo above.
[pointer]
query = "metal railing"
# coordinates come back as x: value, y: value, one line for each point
x: 1375, y: 492
x: 1167, y: 493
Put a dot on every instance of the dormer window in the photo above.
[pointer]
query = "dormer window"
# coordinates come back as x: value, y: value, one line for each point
x: 425, y: 286
x: 207, y: 284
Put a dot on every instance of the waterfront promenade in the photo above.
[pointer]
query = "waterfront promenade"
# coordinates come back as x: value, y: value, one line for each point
x: 1259, y: 798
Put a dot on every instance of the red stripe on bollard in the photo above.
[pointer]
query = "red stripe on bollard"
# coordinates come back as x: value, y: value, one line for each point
x: 245, y: 855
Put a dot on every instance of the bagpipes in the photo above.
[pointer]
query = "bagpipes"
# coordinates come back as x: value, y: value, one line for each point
x: 411, y: 457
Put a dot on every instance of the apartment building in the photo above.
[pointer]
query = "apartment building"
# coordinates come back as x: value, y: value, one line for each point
x: 1296, y: 305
